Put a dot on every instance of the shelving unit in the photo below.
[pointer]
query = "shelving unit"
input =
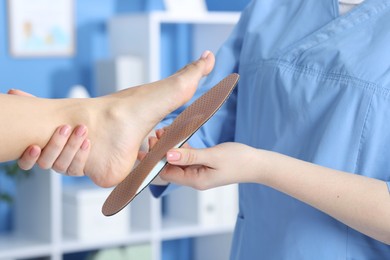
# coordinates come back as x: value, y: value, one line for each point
x: 140, y: 35
x: 39, y: 212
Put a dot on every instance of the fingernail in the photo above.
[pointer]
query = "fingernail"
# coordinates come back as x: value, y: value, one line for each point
x: 81, y: 130
x: 85, y: 145
x: 205, y: 54
x: 65, y: 130
x: 34, y: 152
x: 173, y: 156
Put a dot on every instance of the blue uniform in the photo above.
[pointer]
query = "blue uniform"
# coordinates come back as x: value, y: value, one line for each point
x: 315, y: 86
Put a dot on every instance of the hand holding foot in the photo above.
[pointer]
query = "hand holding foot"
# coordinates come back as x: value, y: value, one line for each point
x: 65, y: 152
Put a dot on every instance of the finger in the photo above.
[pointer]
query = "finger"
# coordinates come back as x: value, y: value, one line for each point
x: 160, y: 132
x: 192, y: 176
x: 29, y: 157
x: 19, y: 93
x: 186, y: 145
x: 145, y: 145
x: 141, y: 155
x: 64, y: 160
x: 152, y: 142
x: 77, y: 165
x: 54, y: 147
x: 159, y: 181
x: 188, y: 156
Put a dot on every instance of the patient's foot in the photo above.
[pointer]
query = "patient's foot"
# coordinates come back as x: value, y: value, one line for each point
x: 129, y: 115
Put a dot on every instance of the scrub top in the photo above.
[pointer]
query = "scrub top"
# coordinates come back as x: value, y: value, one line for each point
x: 315, y: 86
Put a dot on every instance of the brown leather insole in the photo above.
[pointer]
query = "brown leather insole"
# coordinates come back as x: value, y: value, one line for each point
x: 182, y: 128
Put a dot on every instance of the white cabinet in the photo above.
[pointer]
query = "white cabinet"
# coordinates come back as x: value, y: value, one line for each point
x: 39, y: 212
x: 81, y: 221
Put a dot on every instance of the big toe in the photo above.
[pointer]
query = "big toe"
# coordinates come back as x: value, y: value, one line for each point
x: 187, y: 79
x: 202, y: 67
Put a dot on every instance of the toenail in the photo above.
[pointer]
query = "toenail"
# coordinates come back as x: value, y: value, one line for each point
x: 205, y: 54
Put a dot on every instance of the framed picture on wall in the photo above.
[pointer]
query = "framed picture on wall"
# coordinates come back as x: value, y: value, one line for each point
x: 41, y: 28
x: 186, y: 6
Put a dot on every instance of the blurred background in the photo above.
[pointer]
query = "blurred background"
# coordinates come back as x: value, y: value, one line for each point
x: 107, y: 45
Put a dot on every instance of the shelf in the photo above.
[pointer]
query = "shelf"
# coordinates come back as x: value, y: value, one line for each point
x: 14, y: 246
x: 71, y: 245
x: 194, y: 18
x: 174, y: 229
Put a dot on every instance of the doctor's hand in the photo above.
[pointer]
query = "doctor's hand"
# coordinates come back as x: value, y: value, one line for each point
x: 66, y: 152
x: 208, y: 168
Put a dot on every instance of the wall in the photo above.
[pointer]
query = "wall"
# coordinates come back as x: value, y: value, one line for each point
x: 52, y: 77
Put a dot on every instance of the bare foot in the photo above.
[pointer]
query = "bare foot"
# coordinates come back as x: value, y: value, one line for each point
x: 129, y: 115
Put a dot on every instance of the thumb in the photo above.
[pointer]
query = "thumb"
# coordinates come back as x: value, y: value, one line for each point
x: 188, y: 156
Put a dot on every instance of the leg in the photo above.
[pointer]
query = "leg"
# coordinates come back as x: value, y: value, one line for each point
x: 117, y: 123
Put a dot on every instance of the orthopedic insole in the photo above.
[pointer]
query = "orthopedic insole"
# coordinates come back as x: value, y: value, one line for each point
x: 175, y: 135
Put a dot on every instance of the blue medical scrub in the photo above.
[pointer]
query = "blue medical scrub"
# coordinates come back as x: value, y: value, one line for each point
x: 315, y: 86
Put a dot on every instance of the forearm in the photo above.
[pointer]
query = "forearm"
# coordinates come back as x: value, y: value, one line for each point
x: 360, y: 202
x: 30, y: 120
